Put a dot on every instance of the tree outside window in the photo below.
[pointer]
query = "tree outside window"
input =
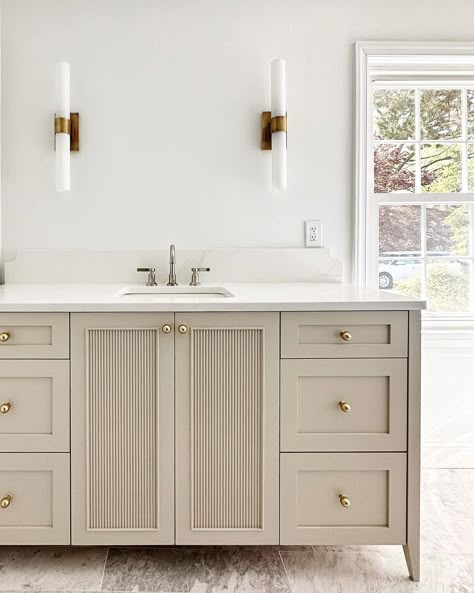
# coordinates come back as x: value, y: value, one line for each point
x: 423, y: 151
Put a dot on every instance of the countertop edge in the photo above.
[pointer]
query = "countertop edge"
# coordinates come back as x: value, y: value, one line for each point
x: 207, y: 307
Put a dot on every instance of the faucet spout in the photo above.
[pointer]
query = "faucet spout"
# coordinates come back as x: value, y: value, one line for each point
x: 172, y: 274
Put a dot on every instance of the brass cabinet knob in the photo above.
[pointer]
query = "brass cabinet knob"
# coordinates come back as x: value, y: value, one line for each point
x: 346, y: 336
x: 344, y: 500
x: 5, y: 336
x: 345, y: 407
x: 5, y: 408
x: 6, y: 501
x: 183, y: 329
x: 166, y: 329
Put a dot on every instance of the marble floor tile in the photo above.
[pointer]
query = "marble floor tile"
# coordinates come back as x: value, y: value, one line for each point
x: 193, y: 570
x: 447, y: 521
x: 373, y: 570
x: 51, y: 569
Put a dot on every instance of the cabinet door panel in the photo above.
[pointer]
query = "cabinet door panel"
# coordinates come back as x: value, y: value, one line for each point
x: 227, y: 428
x: 312, y: 391
x: 37, y: 485
x: 314, y: 484
x: 122, y: 429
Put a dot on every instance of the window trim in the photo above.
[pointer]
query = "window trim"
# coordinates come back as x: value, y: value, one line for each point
x: 397, y: 60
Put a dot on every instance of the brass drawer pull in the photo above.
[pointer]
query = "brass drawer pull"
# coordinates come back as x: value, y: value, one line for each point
x: 5, y: 408
x: 345, y: 407
x: 183, y: 329
x: 4, y: 337
x: 346, y: 336
x: 344, y: 500
x: 6, y: 501
x: 166, y: 329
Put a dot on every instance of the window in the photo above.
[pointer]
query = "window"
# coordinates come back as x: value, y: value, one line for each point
x: 416, y: 173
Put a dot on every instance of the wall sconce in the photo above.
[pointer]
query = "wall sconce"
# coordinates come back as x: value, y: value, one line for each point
x: 274, y: 125
x: 66, y: 128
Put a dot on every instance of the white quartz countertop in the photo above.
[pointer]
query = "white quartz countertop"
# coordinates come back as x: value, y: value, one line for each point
x: 247, y: 297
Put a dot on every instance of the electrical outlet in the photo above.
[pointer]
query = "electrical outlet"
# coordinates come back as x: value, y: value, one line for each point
x: 312, y: 233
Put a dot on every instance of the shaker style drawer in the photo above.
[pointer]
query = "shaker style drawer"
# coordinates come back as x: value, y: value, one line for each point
x: 34, y: 498
x: 342, y: 498
x: 361, y: 334
x: 34, y: 405
x: 34, y: 335
x: 344, y: 405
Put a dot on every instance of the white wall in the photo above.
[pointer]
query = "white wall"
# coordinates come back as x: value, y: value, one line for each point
x: 170, y: 94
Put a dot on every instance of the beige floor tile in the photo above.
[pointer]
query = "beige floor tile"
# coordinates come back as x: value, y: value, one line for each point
x: 195, y: 570
x: 51, y: 569
x: 371, y: 570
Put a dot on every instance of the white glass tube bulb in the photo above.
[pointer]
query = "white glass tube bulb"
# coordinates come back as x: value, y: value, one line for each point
x: 63, y: 141
x: 278, y: 106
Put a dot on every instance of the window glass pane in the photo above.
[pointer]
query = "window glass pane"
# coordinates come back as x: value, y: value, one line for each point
x: 440, y: 168
x: 394, y: 114
x: 470, y: 166
x: 440, y: 114
x: 447, y: 230
x: 399, y: 231
x: 394, y: 168
x: 402, y: 275
x: 470, y: 114
x: 448, y: 285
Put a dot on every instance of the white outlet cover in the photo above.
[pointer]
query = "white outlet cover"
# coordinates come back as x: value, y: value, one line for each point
x: 313, y: 233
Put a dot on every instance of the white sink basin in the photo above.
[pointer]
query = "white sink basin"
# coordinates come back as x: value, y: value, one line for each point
x: 164, y: 292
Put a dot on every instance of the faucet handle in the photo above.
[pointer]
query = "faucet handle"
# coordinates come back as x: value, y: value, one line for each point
x: 195, y: 275
x: 151, y: 279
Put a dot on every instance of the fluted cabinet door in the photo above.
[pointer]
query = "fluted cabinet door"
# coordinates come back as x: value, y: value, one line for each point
x: 122, y: 448
x: 227, y: 466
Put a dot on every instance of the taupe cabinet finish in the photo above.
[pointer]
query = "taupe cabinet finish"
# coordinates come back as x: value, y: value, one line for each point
x: 212, y: 428
x: 36, y: 393
x: 34, y: 429
x: 373, y: 334
x: 39, y: 489
x: 311, y: 396
x: 312, y: 485
x: 227, y: 451
x: 35, y: 335
x: 122, y: 436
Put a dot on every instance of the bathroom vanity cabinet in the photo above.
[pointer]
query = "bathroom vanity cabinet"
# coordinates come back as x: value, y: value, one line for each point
x: 239, y: 428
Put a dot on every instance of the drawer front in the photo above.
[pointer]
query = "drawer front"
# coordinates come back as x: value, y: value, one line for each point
x: 34, y: 493
x: 362, y: 334
x: 344, y: 405
x: 34, y: 335
x: 315, y: 489
x: 34, y: 405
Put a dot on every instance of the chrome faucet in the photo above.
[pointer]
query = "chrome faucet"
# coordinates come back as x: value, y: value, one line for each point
x: 151, y: 279
x: 172, y: 274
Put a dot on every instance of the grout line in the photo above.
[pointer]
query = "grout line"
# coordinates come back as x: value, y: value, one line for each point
x: 284, y: 569
x: 105, y: 566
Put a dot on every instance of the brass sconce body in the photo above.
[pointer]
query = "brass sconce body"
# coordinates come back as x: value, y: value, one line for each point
x: 270, y: 125
x: 68, y: 126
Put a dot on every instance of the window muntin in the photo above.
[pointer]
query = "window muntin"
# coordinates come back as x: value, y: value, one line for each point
x: 423, y: 176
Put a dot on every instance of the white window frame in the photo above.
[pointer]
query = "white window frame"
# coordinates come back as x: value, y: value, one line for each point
x: 396, y: 62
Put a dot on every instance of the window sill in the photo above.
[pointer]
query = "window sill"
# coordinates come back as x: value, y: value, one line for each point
x: 448, y: 332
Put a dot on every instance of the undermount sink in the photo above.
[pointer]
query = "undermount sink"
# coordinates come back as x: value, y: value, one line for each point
x: 205, y: 292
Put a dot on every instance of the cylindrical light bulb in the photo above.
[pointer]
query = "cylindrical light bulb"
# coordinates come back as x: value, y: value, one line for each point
x: 63, y: 141
x: 278, y: 99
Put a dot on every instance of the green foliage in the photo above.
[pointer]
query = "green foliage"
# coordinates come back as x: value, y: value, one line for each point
x: 447, y: 287
x: 410, y: 287
x: 444, y: 163
x: 458, y: 221
x: 440, y: 111
x: 394, y: 117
